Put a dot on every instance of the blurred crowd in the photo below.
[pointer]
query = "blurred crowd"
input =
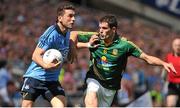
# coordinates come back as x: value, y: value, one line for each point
x: 23, y: 21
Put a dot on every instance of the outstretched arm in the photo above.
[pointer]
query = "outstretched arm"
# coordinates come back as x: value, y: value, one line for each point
x: 90, y: 44
x: 75, y: 37
x: 156, y: 61
x: 84, y: 39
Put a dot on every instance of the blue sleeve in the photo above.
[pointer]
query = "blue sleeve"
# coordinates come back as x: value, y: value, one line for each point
x: 45, y: 43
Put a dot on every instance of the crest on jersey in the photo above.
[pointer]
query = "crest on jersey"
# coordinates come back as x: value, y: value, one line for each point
x: 105, y: 51
x: 115, y: 52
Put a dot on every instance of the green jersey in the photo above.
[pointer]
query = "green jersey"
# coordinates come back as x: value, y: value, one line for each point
x: 108, y: 62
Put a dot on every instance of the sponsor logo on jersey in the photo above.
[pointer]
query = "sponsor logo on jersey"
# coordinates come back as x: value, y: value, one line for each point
x: 103, y: 63
x: 104, y: 59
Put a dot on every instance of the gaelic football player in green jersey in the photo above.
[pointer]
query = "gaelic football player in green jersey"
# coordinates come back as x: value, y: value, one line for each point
x: 109, y: 54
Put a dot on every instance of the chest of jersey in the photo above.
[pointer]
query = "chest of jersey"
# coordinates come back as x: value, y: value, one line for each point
x: 108, y: 58
x: 62, y: 44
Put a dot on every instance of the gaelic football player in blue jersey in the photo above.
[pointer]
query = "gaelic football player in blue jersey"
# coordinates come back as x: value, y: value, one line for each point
x: 41, y: 78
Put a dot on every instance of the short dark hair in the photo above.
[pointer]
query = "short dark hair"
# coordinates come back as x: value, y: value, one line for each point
x: 110, y: 19
x: 61, y: 8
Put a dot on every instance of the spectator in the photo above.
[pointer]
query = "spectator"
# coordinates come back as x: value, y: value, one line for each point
x: 173, y: 79
x: 4, y: 78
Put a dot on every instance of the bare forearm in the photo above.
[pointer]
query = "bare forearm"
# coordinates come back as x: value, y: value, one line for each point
x: 155, y: 61
x: 152, y: 60
x: 74, y: 38
x: 82, y: 45
x: 38, y: 59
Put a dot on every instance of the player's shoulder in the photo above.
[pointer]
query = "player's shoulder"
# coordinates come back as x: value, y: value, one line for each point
x: 128, y: 43
x: 169, y: 55
x: 49, y: 30
x: 125, y: 40
x: 48, y: 33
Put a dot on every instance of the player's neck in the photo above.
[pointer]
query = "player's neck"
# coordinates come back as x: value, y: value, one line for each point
x: 109, y: 40
x: 62, y: 28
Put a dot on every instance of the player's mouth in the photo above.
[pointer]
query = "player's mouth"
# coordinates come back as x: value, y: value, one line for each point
x: 102, y: 37
x: 72, y: 24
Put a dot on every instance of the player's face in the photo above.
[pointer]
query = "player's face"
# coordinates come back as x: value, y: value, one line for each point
x: 67, y: 19
x: 105, y: 31
x: 176, y: 46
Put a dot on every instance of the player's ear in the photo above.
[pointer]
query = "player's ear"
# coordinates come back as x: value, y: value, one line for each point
x: 114, y: 29
x: 59, y: 18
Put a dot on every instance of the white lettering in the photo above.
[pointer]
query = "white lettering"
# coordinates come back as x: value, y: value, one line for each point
x: 162, y: 3
x: 174, y: 6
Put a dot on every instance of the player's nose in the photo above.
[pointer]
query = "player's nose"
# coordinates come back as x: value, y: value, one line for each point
x: 73, y: 19
x: 100, y: 31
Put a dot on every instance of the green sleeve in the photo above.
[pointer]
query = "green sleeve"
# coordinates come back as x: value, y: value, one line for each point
x: 85, y: 36
x: 134, y: 50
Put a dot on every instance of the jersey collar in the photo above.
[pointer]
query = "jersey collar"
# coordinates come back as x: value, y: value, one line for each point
x: 59, y: 30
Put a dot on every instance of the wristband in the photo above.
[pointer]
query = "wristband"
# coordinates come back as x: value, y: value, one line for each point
x: 89, y: 45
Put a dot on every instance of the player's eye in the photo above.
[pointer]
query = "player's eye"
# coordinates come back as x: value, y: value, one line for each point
x: 71, y: 15
x: 104, y: 28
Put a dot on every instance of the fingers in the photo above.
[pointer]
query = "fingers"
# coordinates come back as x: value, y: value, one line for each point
x: 51, y: 66
x: 58, y: 63
x: 94, y: 38
x: 172, y: 68
x: 94, y: 41
x: 169, y: 67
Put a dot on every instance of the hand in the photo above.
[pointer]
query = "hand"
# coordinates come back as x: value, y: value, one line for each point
x: 93, y: 42
x: 54, y: 65
x: 169, y: 66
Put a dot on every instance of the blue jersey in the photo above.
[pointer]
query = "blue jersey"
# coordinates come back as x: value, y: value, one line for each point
x: 51, y: 39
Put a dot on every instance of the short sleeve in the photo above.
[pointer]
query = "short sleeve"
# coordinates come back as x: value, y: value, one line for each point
x: 134, y: 50
x: 45, y: 42
x: 85, y: 36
